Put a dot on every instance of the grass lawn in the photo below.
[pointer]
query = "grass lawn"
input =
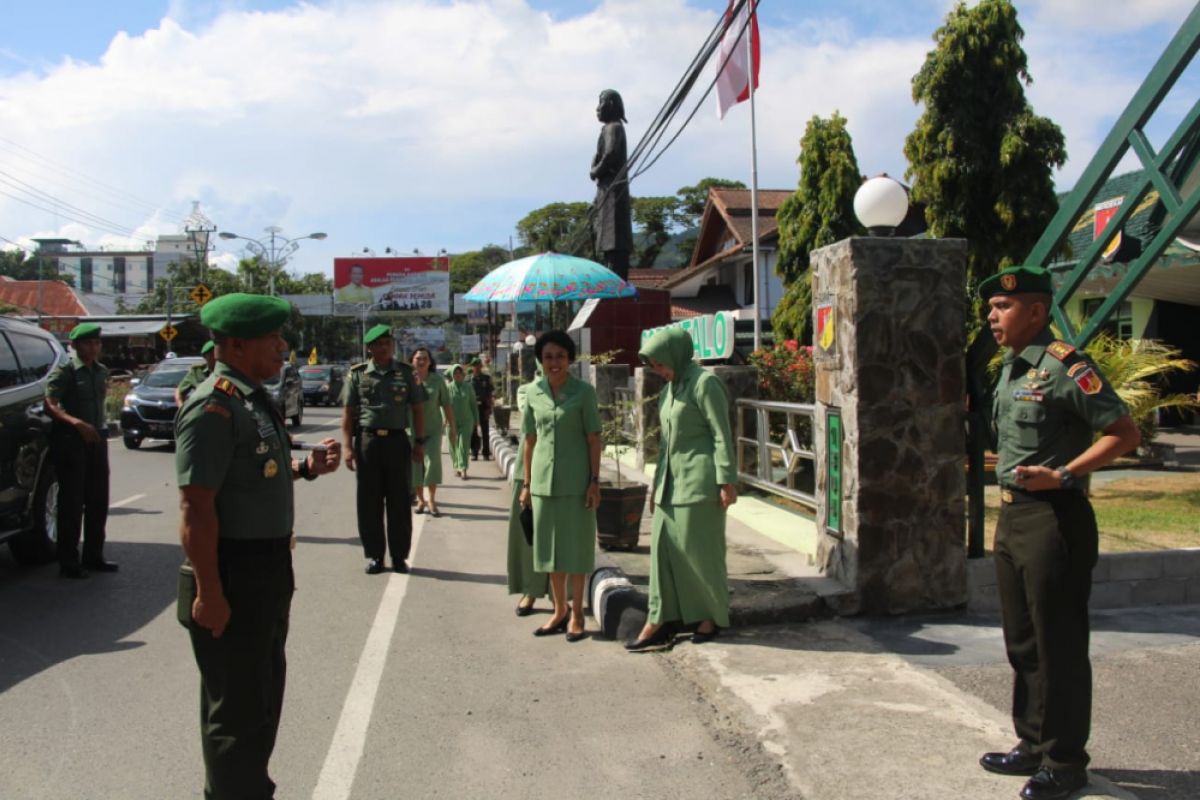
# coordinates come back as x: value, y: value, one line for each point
x: 1153, y: 513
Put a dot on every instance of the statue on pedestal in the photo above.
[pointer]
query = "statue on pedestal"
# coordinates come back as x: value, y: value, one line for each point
x: 612, y: 220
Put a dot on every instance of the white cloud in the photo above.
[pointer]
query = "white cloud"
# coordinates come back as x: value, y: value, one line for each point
x: 1107, y: 16
x: 426, y: 124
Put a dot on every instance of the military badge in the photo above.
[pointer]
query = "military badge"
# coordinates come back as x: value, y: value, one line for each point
x: 1008, y: 282
x: 1088, y: 380
x: 225, y: 386
x: 1032, y: 374
x: 1060, y: 350
x: 1044, y: 375
x: 270, y: 469
x: 262, y: 449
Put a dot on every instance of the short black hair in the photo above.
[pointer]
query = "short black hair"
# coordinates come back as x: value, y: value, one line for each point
x: 413, y: 354
x: 554, y: 337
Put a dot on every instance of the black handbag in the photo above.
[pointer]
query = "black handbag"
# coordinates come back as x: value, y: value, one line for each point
x: 527, y: 524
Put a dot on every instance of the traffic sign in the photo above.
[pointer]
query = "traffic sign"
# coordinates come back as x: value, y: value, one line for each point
x: 200, y: 294
x: 168, y: 333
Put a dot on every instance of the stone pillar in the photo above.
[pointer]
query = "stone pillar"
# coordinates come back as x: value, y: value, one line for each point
x: 739, y: 382
x: 647, y: 384
x: 888, y: 344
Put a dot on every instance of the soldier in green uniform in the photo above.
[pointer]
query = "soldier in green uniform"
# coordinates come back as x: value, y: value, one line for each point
x: 75, y: 395
x: 381, y: 399
x: 235, y: 469
x: 694, y: 484
x: 1049, y: 402
x: 196, y: 375
x: 482, y: 383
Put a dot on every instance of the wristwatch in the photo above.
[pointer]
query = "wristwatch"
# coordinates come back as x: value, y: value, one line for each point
x: 304, y: 472
x: 1068, y: 480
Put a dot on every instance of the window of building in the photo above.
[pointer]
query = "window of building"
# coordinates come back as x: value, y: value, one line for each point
x: 748, y: 284
x: 1119, y: 325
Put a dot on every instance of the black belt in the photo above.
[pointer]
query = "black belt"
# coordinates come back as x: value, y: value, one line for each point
x: 1014, y: 496
x: 384, y: 431
x: 253, y: 547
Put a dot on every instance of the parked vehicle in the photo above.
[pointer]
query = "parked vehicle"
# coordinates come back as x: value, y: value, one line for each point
x: 322, y: 384
x: 28, y: 486
x: 149, y: 409
x: 287, y: 391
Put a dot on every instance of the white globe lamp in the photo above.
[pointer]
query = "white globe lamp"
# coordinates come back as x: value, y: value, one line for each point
x: 881, y: 204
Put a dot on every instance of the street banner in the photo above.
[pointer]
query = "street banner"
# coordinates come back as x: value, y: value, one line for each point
x: 412, y: 286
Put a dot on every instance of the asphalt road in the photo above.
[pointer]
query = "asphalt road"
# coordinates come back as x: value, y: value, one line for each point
x: 399, y: 686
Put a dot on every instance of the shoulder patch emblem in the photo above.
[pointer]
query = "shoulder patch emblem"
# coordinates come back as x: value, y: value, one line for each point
x: 217, y: 408
x: 1088, y: 380
x: 360, y: 366
x: 225, y: 386
x: 1076, y: 369
x: 1060, y: 350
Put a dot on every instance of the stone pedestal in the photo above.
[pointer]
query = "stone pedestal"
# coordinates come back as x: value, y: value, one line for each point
x: 647, y: 384
x: 889, y: 345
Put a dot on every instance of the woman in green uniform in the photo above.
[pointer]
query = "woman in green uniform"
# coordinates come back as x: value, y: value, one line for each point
x: 466, y: 411
x: 693, y: 485
x: 561, y: 424
x: 427, y: 473
x: 523, y: 579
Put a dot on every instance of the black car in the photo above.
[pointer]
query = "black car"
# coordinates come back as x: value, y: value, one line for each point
x: 287, y: 392
x: 28, y: 486
x: 149, y: 409
x: 322, y: 384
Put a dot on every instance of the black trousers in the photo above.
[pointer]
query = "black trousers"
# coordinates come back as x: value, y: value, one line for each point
x: 242, y: 674
x: 82, y: 471
x: 384, y: 485
x: 482, y: 439
x: 1045, y: 551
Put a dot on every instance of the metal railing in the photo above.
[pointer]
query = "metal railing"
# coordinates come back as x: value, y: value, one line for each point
x: 775, y: 448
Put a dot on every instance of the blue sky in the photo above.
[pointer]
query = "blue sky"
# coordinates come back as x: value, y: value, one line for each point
x: 428, y: 124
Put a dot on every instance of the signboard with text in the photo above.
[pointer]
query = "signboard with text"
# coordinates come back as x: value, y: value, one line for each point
x: 412, y: 286
x: 712, y: 335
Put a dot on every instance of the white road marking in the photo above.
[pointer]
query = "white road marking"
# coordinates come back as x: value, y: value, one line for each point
x: 350, y: 736
x: 133, y: 498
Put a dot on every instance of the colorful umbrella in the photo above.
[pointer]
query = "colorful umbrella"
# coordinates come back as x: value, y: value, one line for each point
x: 546, y: 277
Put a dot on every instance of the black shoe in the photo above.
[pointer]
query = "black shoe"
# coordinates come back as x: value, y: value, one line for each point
x: 74, y: 571
x: 700, y: 637
x: 401, y: 566
x: 575, y: 637
x: 100, y: 565
x: 524, y: 611
x: 374, y: 566
x: 554, y: 629
x: 474, y: 457
x: 1055, y: 783
x: 1016, y: 762
x: 665, y: 635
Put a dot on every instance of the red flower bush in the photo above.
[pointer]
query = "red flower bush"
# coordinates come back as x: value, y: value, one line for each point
x: 785, y: 372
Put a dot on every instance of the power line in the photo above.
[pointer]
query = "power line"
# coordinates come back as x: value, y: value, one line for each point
x: 21, y: 186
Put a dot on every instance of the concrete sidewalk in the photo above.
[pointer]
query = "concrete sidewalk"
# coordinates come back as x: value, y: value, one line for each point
x: 903, y: 707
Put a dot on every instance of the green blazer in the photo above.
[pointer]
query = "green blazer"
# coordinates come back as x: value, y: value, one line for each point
x: 561, y: 459
x: 696, y: 443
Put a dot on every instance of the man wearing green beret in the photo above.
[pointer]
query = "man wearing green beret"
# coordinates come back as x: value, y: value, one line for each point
x: 484, y: 391
x: 1049, y: 401
x: 196, y: 375
x: 75, y: 398
x: 380, y: 399
x: 234, y: 463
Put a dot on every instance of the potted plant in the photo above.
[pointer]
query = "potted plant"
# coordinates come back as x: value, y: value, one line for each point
x: 619, y: 517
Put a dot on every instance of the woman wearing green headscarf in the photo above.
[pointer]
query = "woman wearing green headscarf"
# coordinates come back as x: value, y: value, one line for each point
x: 694, y: 483
x: 466, y: 411
x: 523, y: 579
x: 427, y: 473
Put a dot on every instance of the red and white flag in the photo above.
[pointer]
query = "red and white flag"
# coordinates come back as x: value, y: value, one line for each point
x: 733, y: 82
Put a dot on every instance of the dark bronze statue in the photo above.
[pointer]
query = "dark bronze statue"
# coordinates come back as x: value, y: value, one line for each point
x: 612, y: 223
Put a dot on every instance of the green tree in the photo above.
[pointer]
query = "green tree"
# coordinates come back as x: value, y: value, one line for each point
x: 654, y: 219
x: 561, y: 227
x: 820, y: 212
x: 22, y: 266
x: 692, y: 200
x: 181, y: 277
x: 980, y: 159
x: 467, y: 268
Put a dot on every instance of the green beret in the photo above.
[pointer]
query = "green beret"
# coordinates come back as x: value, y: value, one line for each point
x: 208, y: 346
x: 1017, y: 280
x: 245, y: 316
x: 84, y: 330
x: 475, y: 362
x: 377, y: 332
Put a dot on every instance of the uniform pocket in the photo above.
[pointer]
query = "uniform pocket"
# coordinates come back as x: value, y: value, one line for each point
x: 186, y: 595
x: 1029, y: 418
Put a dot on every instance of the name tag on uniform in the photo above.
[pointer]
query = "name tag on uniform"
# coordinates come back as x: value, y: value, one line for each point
x: 1028, y: 395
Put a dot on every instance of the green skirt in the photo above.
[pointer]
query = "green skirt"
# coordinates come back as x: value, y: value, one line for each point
x: 523, y: 579
x: 688, y: 581
x: 428, y: 472
x: 564, y: 534
x: 460, y: 448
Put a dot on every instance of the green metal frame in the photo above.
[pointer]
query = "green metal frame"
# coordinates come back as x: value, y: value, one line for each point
x: 1164, y: 171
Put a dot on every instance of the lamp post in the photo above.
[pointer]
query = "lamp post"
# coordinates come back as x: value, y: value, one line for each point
x: 275, y: 248
x: 881, y: 204
x: 199, y: 229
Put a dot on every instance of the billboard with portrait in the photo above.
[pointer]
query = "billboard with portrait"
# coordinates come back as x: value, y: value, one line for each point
x: 412, y: 286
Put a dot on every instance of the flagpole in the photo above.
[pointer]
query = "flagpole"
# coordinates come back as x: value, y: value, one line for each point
x: 753, y: 180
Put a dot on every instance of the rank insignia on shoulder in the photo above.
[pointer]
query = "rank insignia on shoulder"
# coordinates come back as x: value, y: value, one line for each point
x: 1087, y: 380
x: 225, y: 386
x: 1060, y: 350
x: 1076, y: 369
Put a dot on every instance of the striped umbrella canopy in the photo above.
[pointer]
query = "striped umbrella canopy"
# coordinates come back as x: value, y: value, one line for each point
x: 549, y: 277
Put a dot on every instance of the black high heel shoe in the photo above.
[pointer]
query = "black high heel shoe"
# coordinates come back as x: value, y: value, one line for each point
x: 575, y: 637
x: 665, y: 635
x: 554, y: 629
x: 700, y: 637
